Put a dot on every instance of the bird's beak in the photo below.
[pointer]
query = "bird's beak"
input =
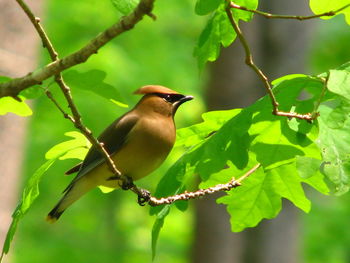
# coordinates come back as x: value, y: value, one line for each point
x: 184, y: 99
x: 180, y: 101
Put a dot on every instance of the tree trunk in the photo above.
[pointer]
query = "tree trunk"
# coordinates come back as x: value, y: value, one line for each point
x: 18, y: 56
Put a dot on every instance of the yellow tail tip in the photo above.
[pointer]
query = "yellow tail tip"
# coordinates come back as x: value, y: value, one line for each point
x: 51, y: 219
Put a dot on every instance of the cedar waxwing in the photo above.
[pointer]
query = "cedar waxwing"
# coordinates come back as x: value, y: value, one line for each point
x: 138, y: 142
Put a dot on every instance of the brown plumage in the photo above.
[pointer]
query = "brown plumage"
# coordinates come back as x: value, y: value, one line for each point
x: 138, y: 142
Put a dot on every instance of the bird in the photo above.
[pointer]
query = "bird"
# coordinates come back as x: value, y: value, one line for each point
x: 138, y: 142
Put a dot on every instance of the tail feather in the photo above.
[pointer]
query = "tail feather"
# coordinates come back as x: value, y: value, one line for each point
x: 73, y: 192
x: 54, y: 214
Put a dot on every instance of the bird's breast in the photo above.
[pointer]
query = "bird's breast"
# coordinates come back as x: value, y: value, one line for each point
x: 147, y: 146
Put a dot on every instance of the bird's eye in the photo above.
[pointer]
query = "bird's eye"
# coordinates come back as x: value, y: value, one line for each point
x: 171, y: 98
x: 167, y: 97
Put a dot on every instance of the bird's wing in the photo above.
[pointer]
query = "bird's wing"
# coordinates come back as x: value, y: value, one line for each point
x: 74, y: 169
x: 113, y: 138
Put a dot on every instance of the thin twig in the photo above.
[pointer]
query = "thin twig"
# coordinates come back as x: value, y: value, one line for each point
x: 249, y: 61
x: 65, y: 114
x: 202, y: 192
x: 15, y: 86
x: 300, y: 18
x: 36, y: 23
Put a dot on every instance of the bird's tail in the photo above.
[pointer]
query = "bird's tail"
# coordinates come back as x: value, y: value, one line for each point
x: 73, y: 192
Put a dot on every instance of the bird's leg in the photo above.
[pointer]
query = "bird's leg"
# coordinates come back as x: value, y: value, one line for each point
x: 126, y: 184
x: 143, y: 197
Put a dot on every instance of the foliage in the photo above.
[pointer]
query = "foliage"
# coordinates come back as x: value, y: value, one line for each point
x: 292, y: 152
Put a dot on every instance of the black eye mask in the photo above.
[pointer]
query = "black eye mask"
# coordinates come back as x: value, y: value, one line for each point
x: 170, y: 97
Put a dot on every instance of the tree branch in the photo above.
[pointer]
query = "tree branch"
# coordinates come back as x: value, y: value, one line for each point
x: 202, y: 192
x: 15, y: 86
x: 249, y: 61
x: 300, y: 18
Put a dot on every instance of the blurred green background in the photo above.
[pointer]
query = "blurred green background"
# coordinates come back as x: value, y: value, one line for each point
x: 112, y: 227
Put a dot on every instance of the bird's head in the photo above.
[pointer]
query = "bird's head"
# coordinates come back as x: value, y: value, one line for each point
x: 160, y: 99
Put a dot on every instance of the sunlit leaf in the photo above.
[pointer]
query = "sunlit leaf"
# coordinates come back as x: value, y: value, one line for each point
x: 323, y: 6
x: 120, y: 104
x: 339, y: 83
x: 9, y: 104
x: 334, y: 142
x: 261, y: 195
x: 241, y: 14
x: 76, y: 148
x: 223, y: 145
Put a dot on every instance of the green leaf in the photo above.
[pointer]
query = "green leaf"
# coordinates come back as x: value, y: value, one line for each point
x: 339, y: 83
x: 76, y: 148
x: 72, y: 149
x: 217, y: 32
x: 204, y: 7
x: 287, y: 77
x: 212, y: 121
x: 334, y: 142
x: 260, y: 196
x: 9, y: 237
x: 9, y: 104
x: 125, y: 6
x: 309, y: 169
x: 29, y: 194
x: 92, y: 80
x: 157, y: 226
x: 120, y: 104
x: 32, y: 92
x: 251, y: 202
x: 307, y: 166
x: 238, y: 139
x: 323, y: 6
x: 241, y: 14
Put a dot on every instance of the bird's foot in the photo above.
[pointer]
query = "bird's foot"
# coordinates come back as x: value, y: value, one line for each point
x: 143, y: 197
x: 127, y: 184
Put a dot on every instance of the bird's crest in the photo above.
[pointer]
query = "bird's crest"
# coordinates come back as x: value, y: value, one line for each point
x: 154, y: 89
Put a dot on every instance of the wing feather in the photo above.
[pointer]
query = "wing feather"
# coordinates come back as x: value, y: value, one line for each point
x: 113, y: 137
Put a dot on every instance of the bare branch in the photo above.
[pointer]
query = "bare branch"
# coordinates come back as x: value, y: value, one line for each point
x: 202, y: 192
x: 300, y: 18
x: 13, y: 87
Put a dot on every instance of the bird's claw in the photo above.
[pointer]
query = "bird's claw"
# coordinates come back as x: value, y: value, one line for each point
x: 127, y: 183
x: 143, y: 197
